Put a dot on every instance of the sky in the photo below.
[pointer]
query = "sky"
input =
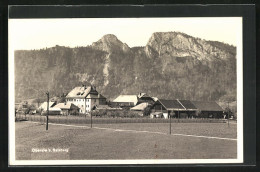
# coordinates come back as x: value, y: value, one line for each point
x: 26, y: 34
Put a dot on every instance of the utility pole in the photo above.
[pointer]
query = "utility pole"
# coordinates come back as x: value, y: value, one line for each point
x: 47, y: 116
x: 178, y: 115
x: 85, y: 100
x: 228, y: 114
x: 170, y: 124
x: 90, y: 119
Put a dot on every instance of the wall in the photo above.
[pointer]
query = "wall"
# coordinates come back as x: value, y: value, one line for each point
x: 89, y: 104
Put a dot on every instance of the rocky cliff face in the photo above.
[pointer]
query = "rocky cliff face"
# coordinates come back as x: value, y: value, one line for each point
x: 171, y: 65
x: 178, y: 44
x: 109, y: 43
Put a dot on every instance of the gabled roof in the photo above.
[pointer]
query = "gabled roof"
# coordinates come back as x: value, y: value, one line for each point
x: 207, y: 106
x: 44, y: 105
x: 171, y: 104
x: 81, y: 92
x: 66, y: 106
x: 127, y: 98
x: 188, y: 104
x: 97, y: 96
x: 141, y: 106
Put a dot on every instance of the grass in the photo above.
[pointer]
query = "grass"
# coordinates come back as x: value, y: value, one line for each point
x: 86, y: 143
x: 106, y: 120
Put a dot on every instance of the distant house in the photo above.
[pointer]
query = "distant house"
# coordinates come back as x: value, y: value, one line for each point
x: 145, y: 98
x: 140, y: 108
x: 129, y: 101
x: 85, y: 97
x: 208, y: 109
x: 67, y: 108
x: 52, y: 111
x: 44, y: 106
x: 167, y: 107
x: 126, y: 101
x: 175, y: 108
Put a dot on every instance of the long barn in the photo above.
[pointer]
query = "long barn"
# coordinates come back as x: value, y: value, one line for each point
x: 187, y: 109
x: 208, y: 109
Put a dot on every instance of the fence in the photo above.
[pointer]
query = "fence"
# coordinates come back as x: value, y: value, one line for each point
x: 95, y: 120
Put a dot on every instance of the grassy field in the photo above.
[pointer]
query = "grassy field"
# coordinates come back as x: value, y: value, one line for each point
x: 123, y: 143
x: 109, y: 120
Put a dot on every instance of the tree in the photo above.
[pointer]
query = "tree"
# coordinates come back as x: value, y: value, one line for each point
x: 228, y: 112
x: 38, y: 102
x: 63, y: 98
x: 147, y: 111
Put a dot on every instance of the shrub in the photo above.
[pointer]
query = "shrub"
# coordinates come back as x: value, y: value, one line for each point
x: 147, y: 111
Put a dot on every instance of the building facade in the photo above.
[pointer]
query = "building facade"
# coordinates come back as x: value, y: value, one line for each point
x: 86, y: 98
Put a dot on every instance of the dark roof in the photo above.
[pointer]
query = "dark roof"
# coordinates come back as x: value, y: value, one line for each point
x: 171, y: 104
x: 207, y: 106
x: 143, y: 95
x: 188, y: 104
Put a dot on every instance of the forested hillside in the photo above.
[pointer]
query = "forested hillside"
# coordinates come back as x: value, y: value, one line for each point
x: 172, y: 65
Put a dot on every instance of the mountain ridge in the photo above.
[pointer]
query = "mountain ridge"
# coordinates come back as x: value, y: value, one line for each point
x: 170, y: 65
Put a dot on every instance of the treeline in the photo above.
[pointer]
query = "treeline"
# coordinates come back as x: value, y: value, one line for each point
x: 142, y: 69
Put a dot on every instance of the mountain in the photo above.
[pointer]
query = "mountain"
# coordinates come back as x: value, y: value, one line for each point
x: 171, y: 65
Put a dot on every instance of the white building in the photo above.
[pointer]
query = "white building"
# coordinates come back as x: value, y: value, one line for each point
x: 85, y: 98
x: 126, y: 100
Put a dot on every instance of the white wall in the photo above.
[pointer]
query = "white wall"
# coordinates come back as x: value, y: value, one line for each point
x: 90, y: 103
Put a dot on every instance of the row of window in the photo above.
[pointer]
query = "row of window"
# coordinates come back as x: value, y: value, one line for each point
x: 86, y: 105
x: 78, y: 100
x: 86, y: 110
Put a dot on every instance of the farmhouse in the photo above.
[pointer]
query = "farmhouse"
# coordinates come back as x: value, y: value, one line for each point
x: 85, y: 98
x: 144, y: 98
x: 67, y: 108
x: 175, y: 108
x: 130, y: 101
x: 125, y: 101
x: 208, y: 109
x: 167, y: 107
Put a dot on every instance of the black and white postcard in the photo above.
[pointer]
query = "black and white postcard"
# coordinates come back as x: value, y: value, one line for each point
x: 157, y: 90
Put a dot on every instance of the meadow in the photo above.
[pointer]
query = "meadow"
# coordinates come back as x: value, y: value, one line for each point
x: 126, y: 141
